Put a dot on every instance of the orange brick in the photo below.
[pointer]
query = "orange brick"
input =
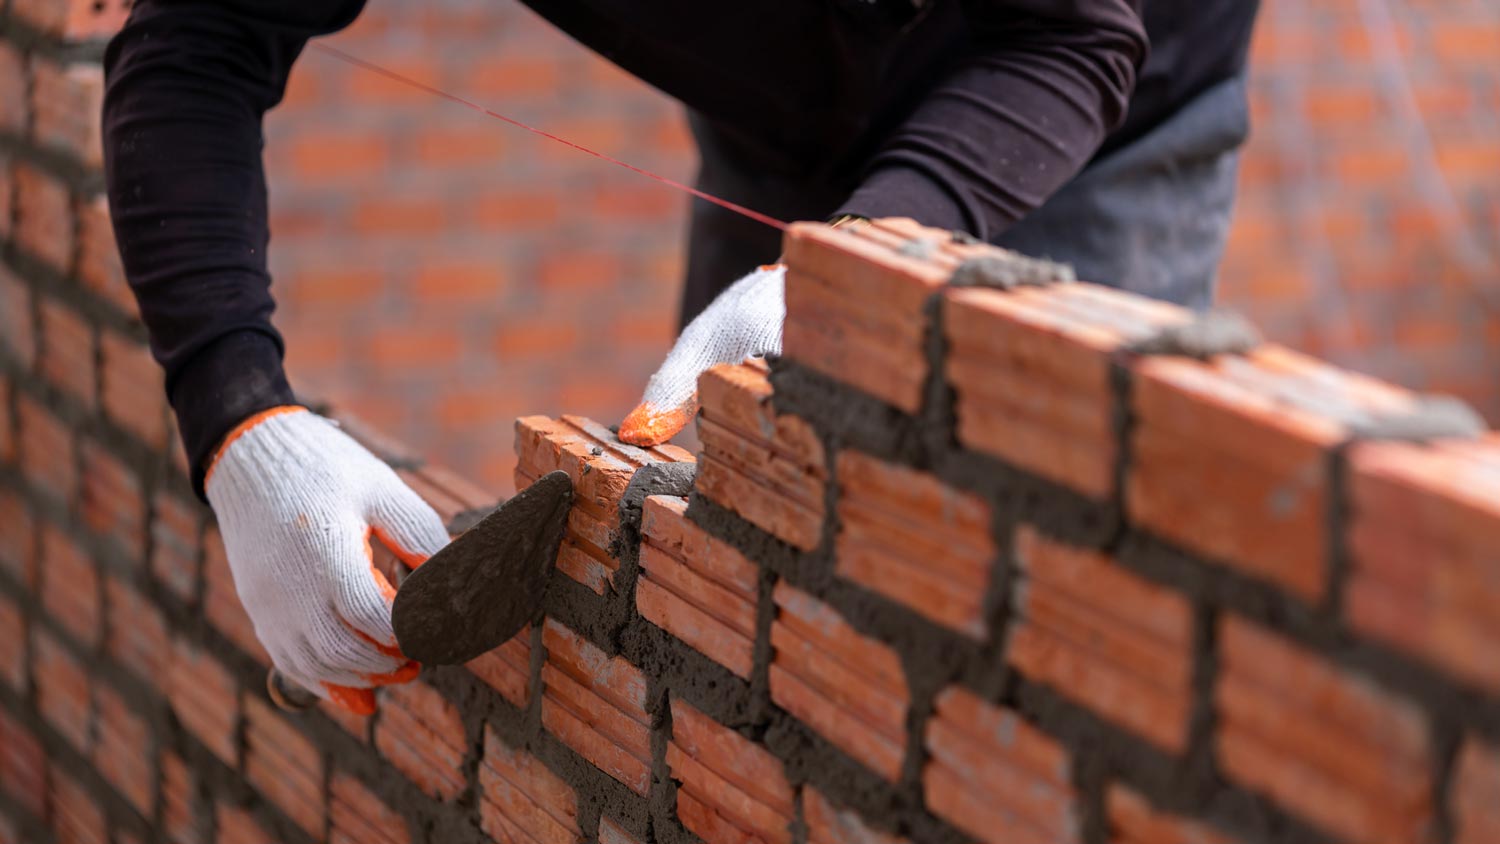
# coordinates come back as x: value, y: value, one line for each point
x: 68, y: 351
x: 122, y: 752
x: 237, y: 826
x: 44, y: 217
x: 14, y: 109
x: 507, y: 669
x: 13, y: 667
x: 1474, y: 798
x: 77, y: 817
x: 18, y: 547
x: 596, y: 704
x: 915, y: 540
x: 47, y: 457
x: 23, y: 765
x: 521, y: 800
x: 734, y: 782
x: 17, y: 329
x: 205, y: 699
x: 357, y: 816
x: 1132, y: 820
x: 284, y: 766
x: 111, y: 500
x: 67, y: 103
x: 62, y: 689
x: 422, y: 734
x: 177, y: 535
x: 181, y: 822
x: 995, y: 776
x: 695, y: 587
x: 612, y: 833
x: 133, y: 392
x: 848, y: 688
x: 99, y: 264
x: 829, y: 824
x: 135, y: 631
x: 70, y: 585
x: 1326, y: 744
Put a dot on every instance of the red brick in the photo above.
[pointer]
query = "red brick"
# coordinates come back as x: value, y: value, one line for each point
x: 136, y: 634
x: 122, y: 752
x: 848, y: 688
x: 357, y: 816
x: 1326, y: 744
x: 284, y: 766
x: 612, y: 833
x: 9, y: 439
x: 237, y: 826
x: 422, y: 734
x: 176, y: 533
x: 180, y: 819
x: 62, y: 689
x: 47, y: 457
x: 67, y: 102
x: 44, y: 217
x: 17, y: 329
x: 907, y: 536
x: 133, y: 392
x: 18, y: 543
x: 767, y: 468
x: 13, y: 667
x: 695, y: 587
x: 507, y: 669
x: 221, y: 602
x: 1132, y: 820
x: 1104, y: 637
x: 73, y: 20
x: 336, y: 156
x: 205, y: 699
x: 596, y: 704
x: 111, y: 500
x: 68, y: 351
x: 70, y: 585
x: 827, y: 823
x: 99, y: 264
x: 23, y: 765
x: 14, y: 111
x: 996, y: 777
x: 737, y: 783
x: 1474, y: 797
x: 521, y: 800
x: 77, y: 817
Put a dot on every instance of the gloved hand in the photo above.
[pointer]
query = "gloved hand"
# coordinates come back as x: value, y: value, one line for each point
x: 744, y: 320
x: 297, y: 501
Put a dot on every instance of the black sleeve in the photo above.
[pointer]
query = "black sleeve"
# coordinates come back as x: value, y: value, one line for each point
x: 1042, y: 85
x: 187, y: 84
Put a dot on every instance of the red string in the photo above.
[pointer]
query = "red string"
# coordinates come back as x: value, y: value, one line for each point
x: 405, y: 80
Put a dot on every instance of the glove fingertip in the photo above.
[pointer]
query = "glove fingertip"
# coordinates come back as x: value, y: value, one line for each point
x: 649, y: 425
x: 357, y: 701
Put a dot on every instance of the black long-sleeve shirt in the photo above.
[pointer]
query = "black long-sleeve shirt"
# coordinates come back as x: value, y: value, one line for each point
x: 961, y: 113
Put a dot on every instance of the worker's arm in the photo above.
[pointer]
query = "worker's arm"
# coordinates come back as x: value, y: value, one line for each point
x: 297, y: 500
x: 1041, y: 86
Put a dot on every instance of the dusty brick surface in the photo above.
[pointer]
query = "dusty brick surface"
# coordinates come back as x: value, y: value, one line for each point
x: 596, y: 704
x: 521, y: 800
x: 507, y: 669
x: 1133, y: 820
x: 730, y: 789
x: 829, y: 824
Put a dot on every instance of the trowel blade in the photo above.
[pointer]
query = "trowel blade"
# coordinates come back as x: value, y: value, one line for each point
x: 483, y: 587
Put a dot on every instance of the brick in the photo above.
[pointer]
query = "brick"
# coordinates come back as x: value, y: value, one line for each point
x: 612, y: 833
x: 9, y: 438
x: 1100, y: 635
x: 521, y: 800
x: 73, y: 20
x: 827, y: 823
x: 1133, y: 820
x: 507, y: 669
x: 62, y: 689
x: 696, y: 587
x: 133, y: 391
x: 136, y: 634
x: 996, y: 777
x: 177, y: 534
x: 284, y: 766
x: 422, y: 734
x: 68, y: 353
x: 181, y: 820
x: 358, y: 816
x: 596, y: 704
x: 205, y: 699
x: 13, y: 667
x: 740, y: 789
x: 77, y: 817
x: 44, y: 217
x: 237, y: 826
x: 599, y: 480
x: 23, y: 765
x: 99, y: 264
x: 769, y: 469
x: 17, y: 326
x: 221, y: 601
x: 122, y: 751
x: 47, y: 457
x: 67, y: 102
x: 1324, y: 743
x: 14, y: 111
x: 111, y: 500
x: 70, y: 586
x: 848, y: 688
x: 1474, y: 797
x: 18, y: 543
x: 906, y: 535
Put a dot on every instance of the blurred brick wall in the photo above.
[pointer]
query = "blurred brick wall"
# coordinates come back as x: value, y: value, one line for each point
x: 1368, y: 229
x: 440, y: 273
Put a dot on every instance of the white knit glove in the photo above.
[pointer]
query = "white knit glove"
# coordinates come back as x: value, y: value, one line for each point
x: 297, y: 501
x: 744, y: 320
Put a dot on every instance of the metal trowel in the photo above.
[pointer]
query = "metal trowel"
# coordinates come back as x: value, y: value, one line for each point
x: 479, y: 590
